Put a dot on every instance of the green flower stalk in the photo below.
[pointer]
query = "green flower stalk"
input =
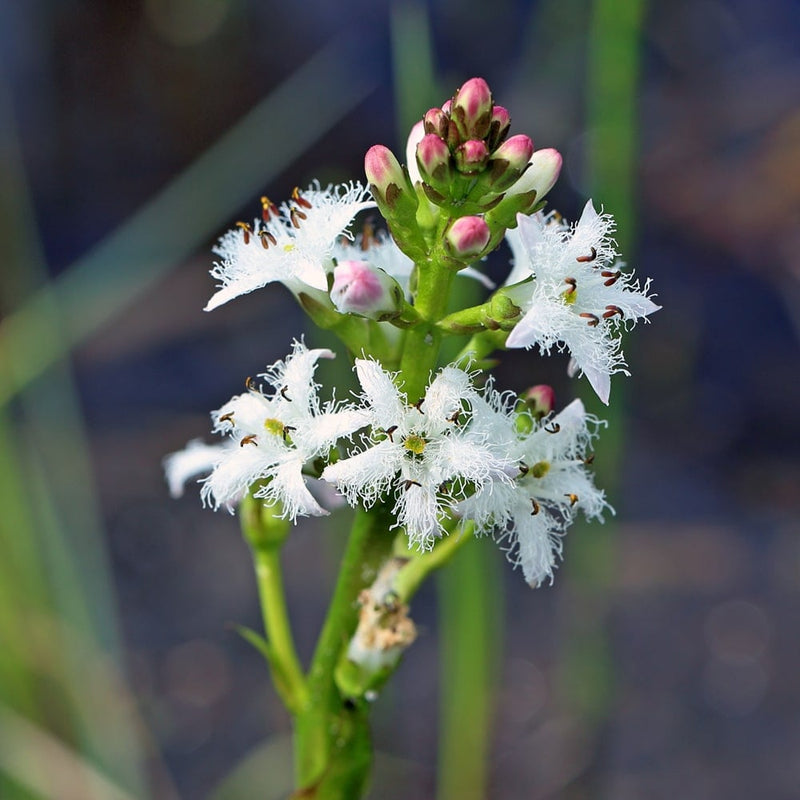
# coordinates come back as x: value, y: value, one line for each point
x: 430, y: 455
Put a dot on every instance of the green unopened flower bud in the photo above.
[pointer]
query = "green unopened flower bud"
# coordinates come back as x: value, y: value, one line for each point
x: 499, y: 126
x: 467, y: 237
x: 363, y: 289
x: 471, y: 157
x: 544, y: 167
x: 471, y: 109
x: 433, y: 160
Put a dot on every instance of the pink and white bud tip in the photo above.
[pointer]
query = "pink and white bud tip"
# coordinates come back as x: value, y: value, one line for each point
x: 363, y: 289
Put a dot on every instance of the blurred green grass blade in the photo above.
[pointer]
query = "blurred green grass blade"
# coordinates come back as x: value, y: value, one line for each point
x: 183, y: 215
x: 415, y: 85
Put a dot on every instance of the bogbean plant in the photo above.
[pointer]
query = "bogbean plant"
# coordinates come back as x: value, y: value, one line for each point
x: 428, y: 455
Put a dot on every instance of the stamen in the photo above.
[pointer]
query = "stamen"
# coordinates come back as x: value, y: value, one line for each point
x: 523, y: 468
x: 444, y: 487
x: 418, y: 405
x: 536, y: 507
x: 296, y: 215
x: 248, y: 384
x: 246, y: 230
x: 227, y: 417
x: 264, y: 236
x: 368, y: 237
x: 572, y: 283
x: 249, y: 439
x: 268, y: 208
x: 593, y: 319
x: 284, y: 395
x: 409, y: 483
x: 573, y: 498
x: 286, y: 429
x: 612, y: 276
x: 454, y: 416
x: 589, y: 459
x: 390, y: 431
x: 299, y: 199
x: 554, y: 427
x: 613, y: 310
x: 587, y: 259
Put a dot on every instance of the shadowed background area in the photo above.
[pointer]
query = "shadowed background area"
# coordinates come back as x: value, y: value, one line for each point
x: 664, y: 660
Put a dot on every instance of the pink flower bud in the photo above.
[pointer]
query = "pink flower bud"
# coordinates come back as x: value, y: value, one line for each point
x: 472, y: 108
x: 360, y: 288
x: 467, y: 237
x: 436, y: 121
x: 382, y: 168
x: 516, y: 151
x: 433, y: 158
x: 498, y: 126
x: 544, y: 167
x: 471, y: 157
x: 540, y: 399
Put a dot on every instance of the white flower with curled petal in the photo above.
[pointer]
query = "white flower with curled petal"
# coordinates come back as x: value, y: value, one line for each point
x: 293, y: 246
x: 426, y: 454
x: 579, y: 296
x: 271, y: 438
x: 552, y: 484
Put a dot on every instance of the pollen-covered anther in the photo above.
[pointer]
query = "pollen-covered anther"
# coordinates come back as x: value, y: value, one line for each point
x: 418, y: 405
x: 268, y: 208
x: 573, y: 498
x: 612, y: 275
x: 535, y: 507
x: 390, y: 431
x: 409, y: 483
x: 299, y: 199
x: 587, y: 259
x: 553, y: 427
x: 592, y: 320
x: 284, y: 395
x: 246, y: 231
x: 454, y: 416
x: 611, y: 310
x: 249, y: 439
x: 572, y: 283
x: 227, y: 417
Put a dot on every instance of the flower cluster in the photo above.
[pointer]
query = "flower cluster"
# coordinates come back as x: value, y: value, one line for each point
x: 437, y: 446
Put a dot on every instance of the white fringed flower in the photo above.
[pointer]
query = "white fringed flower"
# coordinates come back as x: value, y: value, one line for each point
x: 197, y: 458
x: 428, y: 455
x: 532, y: 513
x: 272, y: 437
x: 293, y: 247
x: 579, y: 296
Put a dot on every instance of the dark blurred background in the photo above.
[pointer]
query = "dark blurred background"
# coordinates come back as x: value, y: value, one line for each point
x: 664, y: 661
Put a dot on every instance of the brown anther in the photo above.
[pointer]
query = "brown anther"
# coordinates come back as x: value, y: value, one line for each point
x: 286, y: 429
x: 553, y: 427
x: 264, y: 236
x: 536, y: 507
x: 573, y: 498
x: 613, y: 310
x: 444, y: 487
x: 368, y: 237
x: 454, y: 416
x: 612, y: 276
x: 268, y: 208
x: 587, y: 259
x: 418, y: 405
x: 299, y: 199
x: 249, y: 439
x: 227, y: 417
x: 390, y: 431
x: 524, y: 469
x: 592, y: 319
x: 296, y: 215
x: 589, y: 459
x: 409, y: 483
x: 246, y: 230
x: 248, y: 383
x: 572, y: 283
x: 284, y: 395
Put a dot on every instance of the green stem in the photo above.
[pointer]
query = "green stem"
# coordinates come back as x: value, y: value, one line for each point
x: 283, y: 655
x: 332, y: 748
x: 412, y: 575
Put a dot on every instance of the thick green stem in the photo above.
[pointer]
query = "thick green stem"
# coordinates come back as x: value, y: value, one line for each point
x: 332, y: 744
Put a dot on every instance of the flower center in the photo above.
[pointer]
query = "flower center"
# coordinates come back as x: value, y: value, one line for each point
x: 415, y: 444
x: 274, y: 426
x: 540, y: 469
